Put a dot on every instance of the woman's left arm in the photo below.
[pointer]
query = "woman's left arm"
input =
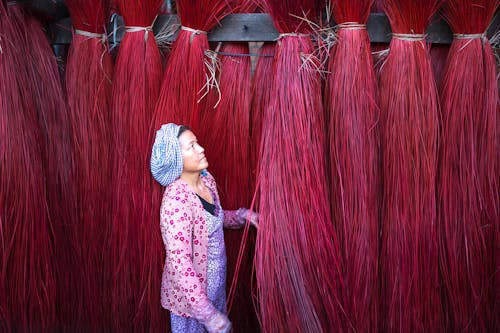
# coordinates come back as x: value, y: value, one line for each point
x: 235, y: 219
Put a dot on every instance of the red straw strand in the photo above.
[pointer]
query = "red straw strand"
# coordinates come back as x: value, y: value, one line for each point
x: 27, y: 278
x: 439, y: 54
x: 136, y: 246
x: 296, y: 258
x: 185, y: 85
x: 350, y: 103
x: 262, y: 82
x: 89, y: 72
x: 409, y: 119
x: 469, y: 179
x: 226, y: 131
x: 226, y: 127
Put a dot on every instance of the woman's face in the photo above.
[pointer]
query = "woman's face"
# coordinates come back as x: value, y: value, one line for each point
x: 192, y: 152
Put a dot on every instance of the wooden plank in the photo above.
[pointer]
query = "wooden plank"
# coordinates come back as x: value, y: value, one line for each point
x: 439, y: 32
x: 378, y: 28
x: 245, y: 27
x: 259, y: 27
x: 51, y: 9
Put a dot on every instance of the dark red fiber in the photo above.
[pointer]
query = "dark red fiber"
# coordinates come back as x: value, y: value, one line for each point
x: 353, y: 129
x: 297, y: 256
x: 468, y: 185
x: 409, y: 137
x: 89, y: 74
x: 135, y: 244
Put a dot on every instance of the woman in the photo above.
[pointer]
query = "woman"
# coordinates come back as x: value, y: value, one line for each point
x: 191, y: 221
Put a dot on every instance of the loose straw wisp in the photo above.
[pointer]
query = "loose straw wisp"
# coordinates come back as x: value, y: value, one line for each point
x: 187, y: 78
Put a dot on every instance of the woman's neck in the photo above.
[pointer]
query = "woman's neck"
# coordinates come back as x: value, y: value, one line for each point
x: 192, y: 179
x: 197, y: 185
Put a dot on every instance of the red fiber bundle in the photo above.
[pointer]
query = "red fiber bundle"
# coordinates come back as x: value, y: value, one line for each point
x: 226, y: 129
x: 409, y: 129
x: 46, y: 88
x: 439, y: 54
x: 135, y: 242
x: 350, y: 103
x: 469, y: 180
x: 89, y: 73
x: 243, y: 318
x: 27, y: 281
x: 378, y: 6
x: 262, y: 83
x: 296, y: 257
x: 185, y: 83
x: 226, y: 132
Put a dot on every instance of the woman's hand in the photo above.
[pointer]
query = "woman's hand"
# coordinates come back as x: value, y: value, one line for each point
x: 213, y: 320
x: 244, y: 214
x: 218, y: 323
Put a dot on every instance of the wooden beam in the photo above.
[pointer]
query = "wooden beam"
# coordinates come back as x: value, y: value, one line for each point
x: 259, y: 28
x: 52, y: 10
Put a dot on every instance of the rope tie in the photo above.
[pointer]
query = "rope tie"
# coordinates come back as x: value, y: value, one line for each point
x: 89, y: 34
x: 129, y: 28
x: 409, y: 37
x: 351, y: 26
x: 469, y: 36
x: 194, y: 32
x: 291, y: 34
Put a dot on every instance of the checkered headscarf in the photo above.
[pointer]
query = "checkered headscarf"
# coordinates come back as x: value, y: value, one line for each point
x: 166, y: 157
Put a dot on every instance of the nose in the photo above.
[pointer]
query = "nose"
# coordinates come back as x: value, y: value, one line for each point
x: 199, y: 148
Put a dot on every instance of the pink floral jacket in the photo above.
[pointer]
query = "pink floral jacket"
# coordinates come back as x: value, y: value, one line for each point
x: 185, y: 236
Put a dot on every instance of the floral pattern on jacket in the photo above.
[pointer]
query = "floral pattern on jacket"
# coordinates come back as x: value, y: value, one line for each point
x: 185, y: 236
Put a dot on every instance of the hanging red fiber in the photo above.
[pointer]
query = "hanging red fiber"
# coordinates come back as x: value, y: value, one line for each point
x: 185, y: 83
x: 350, y: 103
x: 136, y: 248
x: 226, y: 127
x: 378, y: 6
x: 262, y: 82
x: 296, y: 258
x: 468, y: 174
x: 27, y: 278
x: 46, y: 87
x: 89, y: 72
x: 226, y: 122
x: 439, y: 54
x: 409, y: 134
x: 58, y: 159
